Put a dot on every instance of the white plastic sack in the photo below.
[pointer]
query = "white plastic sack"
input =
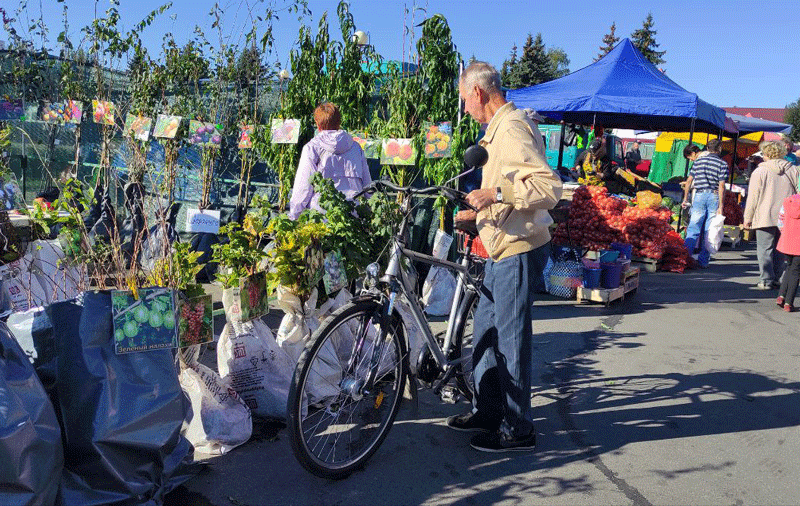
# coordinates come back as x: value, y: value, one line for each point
x: 415, y: 336
x: 716, y: 231
x: 257, y: 368
x: 220, y: 419
x: 21, y: 289
x: 231, y: 303
x: 59, y: 279
x: 438, y: 291
x: 294, y: 330
x: 298, y: 323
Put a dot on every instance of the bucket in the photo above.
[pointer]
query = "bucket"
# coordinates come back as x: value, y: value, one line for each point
x: 612, y: 271
x: 591, y: 264
x: 625, y: 250
x: 591, y: 277
x: 609, y: 255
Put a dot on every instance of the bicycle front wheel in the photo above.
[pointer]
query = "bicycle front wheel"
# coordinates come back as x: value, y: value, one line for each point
x: 335, y: 423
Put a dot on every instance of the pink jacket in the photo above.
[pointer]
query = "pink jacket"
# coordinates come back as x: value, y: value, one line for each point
x: 789, y: 243
x: 337, y: 156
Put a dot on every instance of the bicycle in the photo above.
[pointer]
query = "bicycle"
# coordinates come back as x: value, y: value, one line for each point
x: 349, y: 381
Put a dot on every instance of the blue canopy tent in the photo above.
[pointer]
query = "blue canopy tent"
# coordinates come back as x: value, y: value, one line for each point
x: 746, y: 125
x: 621, y: 90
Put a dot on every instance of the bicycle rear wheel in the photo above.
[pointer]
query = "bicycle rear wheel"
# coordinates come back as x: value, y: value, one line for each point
x: 334, y: 425
x: 462, y: 346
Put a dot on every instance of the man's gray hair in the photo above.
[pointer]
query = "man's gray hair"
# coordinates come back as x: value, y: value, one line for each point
x: 482, y: 75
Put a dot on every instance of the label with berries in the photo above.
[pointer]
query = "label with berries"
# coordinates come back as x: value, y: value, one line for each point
x: 196, y: 321
x: 144, y: 324
x: 335, y: 277
x: 253, y: 296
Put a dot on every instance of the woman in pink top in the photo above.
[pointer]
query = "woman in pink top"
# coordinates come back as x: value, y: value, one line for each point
x: 335, y: 154
x: 789, y: 245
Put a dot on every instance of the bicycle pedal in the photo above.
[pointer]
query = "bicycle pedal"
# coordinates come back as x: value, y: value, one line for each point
x: 449, y: 395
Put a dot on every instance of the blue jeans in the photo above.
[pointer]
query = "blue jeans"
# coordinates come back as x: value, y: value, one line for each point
x: 502, y: 335
x: 704, y: 207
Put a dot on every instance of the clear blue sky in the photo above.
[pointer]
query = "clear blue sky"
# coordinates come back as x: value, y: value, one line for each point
x: 739, y: 53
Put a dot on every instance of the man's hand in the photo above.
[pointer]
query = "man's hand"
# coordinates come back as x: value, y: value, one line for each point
x: 685, y: 204
x: 466, y: 215
x: 482, y: 198
x: 748, y: 224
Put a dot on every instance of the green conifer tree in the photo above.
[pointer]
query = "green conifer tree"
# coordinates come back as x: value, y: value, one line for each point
x: 609, y: 41
x: 644, y: 40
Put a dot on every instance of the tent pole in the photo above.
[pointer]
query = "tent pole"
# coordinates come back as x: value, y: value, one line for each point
x: 561, y: 144
x: 734, y: 157
x: 686, y: 169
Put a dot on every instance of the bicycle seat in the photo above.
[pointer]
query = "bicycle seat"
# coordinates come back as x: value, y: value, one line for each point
x: 468, y: 227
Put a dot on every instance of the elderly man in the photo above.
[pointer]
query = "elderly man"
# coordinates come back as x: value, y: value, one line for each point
x: 517, y: 189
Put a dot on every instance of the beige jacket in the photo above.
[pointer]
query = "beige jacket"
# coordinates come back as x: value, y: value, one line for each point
x: 770, y: 183
x: 518, y: 166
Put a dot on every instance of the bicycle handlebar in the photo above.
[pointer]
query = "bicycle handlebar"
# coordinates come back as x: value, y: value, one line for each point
x: 451, y: 193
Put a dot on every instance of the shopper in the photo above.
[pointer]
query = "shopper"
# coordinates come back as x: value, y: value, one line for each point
x: 790, y: 156
x: 773, y: 180
x: 517, y: 188
x: 633, y: 157
x: 335, y: 154
x: 707, y: 181
x: 789, y: 245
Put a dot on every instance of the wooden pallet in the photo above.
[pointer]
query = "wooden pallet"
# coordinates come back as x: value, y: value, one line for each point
x: 608, y: 295
x: 646, y: 264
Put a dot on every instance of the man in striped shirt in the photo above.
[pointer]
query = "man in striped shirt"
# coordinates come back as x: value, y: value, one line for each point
x: 707, y: 179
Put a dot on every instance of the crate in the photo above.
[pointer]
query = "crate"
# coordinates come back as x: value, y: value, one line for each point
x: 646, y: 264
x: 477, y: 245
x: 607, y: 296
x: 733, y: 235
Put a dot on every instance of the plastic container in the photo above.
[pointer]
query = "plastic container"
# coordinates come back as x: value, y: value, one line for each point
x: 591, y: 277
x: 612, y: 272
x: 625, y: 250
x: 608, y: 256
x: 591, y: 264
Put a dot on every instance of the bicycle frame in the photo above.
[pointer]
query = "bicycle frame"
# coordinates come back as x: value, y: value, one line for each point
x: 395, y: 271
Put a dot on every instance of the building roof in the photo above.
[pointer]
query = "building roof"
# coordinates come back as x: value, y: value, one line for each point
x: 759, y: 112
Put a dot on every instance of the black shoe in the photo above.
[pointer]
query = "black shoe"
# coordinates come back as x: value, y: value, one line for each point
x: 495, y: 442
x: 469, y: 422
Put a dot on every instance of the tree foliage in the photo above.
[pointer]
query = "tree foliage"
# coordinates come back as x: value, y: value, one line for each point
x: 609, y: 41
x: 536, y: 65
x: 792, y: 117
x: 644, y: 40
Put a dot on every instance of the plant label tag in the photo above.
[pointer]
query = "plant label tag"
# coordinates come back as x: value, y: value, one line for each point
x: 253, y: 299
x: 334, y: 277
x: 441, y: 244
x: 205, y: 221
x: 145, y: 324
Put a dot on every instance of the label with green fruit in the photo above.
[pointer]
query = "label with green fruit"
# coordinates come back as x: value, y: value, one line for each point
x: 145, y: 324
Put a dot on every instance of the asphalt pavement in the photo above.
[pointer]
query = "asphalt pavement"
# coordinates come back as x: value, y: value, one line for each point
x: 687, y: 392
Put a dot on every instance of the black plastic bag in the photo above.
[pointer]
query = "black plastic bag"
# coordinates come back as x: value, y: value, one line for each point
x: 31, y: 452
x: 122, y: 414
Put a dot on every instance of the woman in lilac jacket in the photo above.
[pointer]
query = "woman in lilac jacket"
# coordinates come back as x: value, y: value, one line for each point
x: 334, y: 154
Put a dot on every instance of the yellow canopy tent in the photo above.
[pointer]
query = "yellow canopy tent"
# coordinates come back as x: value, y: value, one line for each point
x: 668, y: 161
